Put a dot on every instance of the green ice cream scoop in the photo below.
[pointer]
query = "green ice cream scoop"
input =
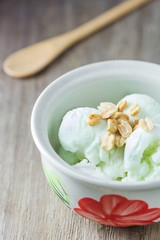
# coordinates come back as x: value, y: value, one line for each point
x: 149, y: 107
x: 142, y: 155
x: 78, y: 137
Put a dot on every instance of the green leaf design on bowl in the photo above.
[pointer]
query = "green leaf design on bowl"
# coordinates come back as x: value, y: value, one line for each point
x: 57, y: 185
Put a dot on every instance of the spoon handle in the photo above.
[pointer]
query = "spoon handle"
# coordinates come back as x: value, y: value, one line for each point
x: 104, y: 19
x: 34, y: 58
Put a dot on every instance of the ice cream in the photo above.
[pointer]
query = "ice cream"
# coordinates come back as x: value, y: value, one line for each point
x: 149, y: 106
x: 142, y: 154
x: 109, y: 144
x: 84, y: 142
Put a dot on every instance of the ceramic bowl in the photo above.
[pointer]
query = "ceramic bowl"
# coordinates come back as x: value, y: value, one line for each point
x: 111, y: 203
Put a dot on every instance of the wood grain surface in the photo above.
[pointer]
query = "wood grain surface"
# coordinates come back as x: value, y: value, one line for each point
x: 28, y: 208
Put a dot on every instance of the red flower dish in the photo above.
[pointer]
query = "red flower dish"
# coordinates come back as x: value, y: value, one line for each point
x: 115, y: 210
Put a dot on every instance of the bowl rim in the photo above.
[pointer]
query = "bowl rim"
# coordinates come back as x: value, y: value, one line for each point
x: 54, y: 158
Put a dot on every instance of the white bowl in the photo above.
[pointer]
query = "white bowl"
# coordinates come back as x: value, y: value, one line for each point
x: 112, y: 203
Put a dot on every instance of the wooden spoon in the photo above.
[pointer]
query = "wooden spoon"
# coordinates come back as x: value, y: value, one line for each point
x: 32, y: 59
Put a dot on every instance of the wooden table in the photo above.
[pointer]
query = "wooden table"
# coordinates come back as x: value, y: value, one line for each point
x: 28, y: 208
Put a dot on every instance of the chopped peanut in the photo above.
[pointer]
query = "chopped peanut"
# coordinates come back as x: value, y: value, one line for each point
x: 118, y: 115
x: 108, y: 140
x: 105, y: 105
x: 119, y: 140
x: 125, y: 129
x: 108, y: 109
x: 120, y: 119
x: 146, y: 124
x: 112, y: 125
x: 93, y: 119
x: 122, y: 105
x: 134, y: 109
